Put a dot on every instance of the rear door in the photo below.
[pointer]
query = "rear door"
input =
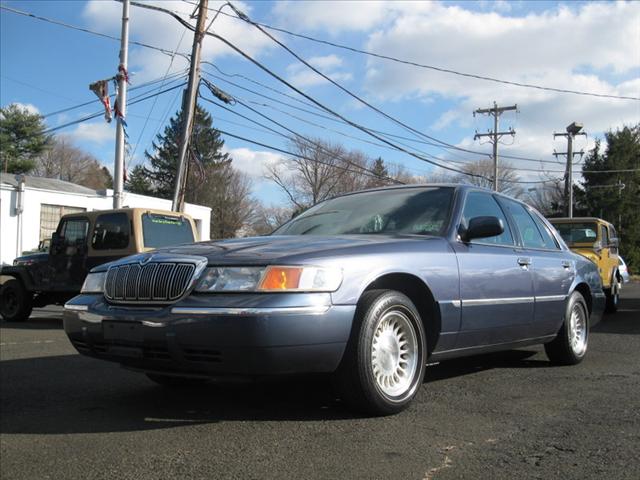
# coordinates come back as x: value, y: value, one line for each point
x: 552, y: 269
x: 496, y: 286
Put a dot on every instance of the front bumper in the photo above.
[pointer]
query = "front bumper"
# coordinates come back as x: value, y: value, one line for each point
x: 215, y: 335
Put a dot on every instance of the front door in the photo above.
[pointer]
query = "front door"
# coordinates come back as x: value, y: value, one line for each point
x: 496, y: 286
x: 68, y: 254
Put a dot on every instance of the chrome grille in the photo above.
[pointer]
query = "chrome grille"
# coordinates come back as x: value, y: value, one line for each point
x: 155, y: 282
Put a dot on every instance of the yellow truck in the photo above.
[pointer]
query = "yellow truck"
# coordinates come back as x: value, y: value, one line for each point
x: 597, y: 240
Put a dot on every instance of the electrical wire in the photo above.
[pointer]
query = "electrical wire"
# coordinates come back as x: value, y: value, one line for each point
x: 425, y: 66
x: 282, y: 80
x: 81, y: 29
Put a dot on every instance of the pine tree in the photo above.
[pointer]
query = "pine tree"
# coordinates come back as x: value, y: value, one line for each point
x: 138, y: 181
x: 22, y: 139
x: 381, y: 173
x: 205, y: 151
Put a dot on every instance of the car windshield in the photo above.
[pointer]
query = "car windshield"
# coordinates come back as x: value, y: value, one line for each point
x: 573, y: 233
x: 165, y: 231
x: 420, y: 210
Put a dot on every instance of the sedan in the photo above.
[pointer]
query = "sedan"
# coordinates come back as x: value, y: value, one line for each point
x: 368, y: 287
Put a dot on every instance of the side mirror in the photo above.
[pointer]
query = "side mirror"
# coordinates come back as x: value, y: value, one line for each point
x: 482, y: 227
x: 614, y: 242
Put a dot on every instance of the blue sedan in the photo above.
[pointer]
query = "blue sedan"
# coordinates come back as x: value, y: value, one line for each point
x: 368, y: 287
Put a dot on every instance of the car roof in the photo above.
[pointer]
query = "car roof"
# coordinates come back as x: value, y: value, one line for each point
x: 130, y: 211
x: 578, y: 220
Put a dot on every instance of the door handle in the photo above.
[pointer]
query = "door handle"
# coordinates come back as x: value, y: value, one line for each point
x: 566, y: 265
x: 524, y: 261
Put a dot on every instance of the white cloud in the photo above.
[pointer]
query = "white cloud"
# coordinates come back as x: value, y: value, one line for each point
x: 252, y: 162
x: 330, y: 65
x: 163, y: 31
x: 29, y: 107
x: 96, y: 132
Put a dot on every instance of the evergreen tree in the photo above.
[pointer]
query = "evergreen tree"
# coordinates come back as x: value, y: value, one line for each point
x: 206, y: 146
x: 22, y: 139
x: 381, y: 173
x: 138, y: 181
x: 603, y: 195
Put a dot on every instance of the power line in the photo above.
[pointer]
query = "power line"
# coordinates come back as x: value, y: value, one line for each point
x: 425, y: 66
x: 282, y: 80
x: 81, y: 29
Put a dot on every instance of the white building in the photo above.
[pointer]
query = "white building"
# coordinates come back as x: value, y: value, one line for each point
x: 30, y: 216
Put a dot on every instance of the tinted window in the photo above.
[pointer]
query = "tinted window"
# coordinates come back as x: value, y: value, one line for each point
x: 547, y: 237
x: 164, y: 230
x: 480, y: 204
x: 528, y: 231
x: 605, y: 236
x: 404, y: 210
x: 573, y: 233
x: 74, y: 231
x: 112, y: 231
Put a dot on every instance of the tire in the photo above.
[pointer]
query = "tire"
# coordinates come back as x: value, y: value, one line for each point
x: 172, y: 381
x: 612, y: 296
x: 384, y: 362
x: 570, y: 345
x: 15, y: 301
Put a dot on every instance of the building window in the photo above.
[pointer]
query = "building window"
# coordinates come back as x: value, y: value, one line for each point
x: 50, y: 216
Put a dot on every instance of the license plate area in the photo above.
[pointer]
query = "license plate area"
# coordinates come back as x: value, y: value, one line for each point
x: 123, y: 331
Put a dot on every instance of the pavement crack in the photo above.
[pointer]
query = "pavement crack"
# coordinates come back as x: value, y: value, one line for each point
x: 446, y: 463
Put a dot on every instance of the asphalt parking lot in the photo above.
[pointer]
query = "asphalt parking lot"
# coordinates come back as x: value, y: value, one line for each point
x: 506, y: 415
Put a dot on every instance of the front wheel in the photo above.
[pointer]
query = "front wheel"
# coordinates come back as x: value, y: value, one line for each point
x: 570, y: 345
x: 383, y: 365
x: 612, y: 296
x: 15, y: 301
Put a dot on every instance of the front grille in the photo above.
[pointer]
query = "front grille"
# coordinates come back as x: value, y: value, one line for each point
x: 155, y: 282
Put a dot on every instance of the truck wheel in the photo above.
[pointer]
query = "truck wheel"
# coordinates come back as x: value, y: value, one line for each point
x: 570, y: 345
x: 15, y: 301
x: 384, y: 363
x: 612, y: 296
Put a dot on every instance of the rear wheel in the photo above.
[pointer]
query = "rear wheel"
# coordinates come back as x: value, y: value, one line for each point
x: 612, y: 295
x: 15, y: 301
x: 172, y: 381
x: 570, y: 346
x: 384, y: 363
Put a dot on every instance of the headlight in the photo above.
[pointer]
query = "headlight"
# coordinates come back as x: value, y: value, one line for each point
x: 270, y: 279
x: 94, y: 283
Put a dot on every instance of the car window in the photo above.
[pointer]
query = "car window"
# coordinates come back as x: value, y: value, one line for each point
x: 112, y: 231
x: 605, y: 236
x: 573, y: 233
x: 74, y: 231
x: 165, y: 230
x: 529, y: 233
x: 547, y: 237
x: 480, y: 204
x: 418, y: 210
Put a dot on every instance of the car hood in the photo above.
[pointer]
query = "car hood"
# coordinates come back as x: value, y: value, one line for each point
x: 36, y: 257
x: 270, y: 249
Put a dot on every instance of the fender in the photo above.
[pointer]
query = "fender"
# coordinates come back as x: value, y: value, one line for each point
x: 20, y: 273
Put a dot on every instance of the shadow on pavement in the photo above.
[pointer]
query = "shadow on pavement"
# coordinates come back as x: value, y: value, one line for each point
x: 627, y: 319
x: 74, y: 394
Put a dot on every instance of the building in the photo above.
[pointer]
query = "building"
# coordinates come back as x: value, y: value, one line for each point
x: 30, y: 210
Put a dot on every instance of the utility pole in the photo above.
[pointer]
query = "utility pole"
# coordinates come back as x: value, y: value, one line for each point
x: 571, y: 131
x: 496, y: 111
x: 121, y: 101
x: 189, y: 106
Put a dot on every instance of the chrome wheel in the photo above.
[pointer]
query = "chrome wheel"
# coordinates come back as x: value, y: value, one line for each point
x: 578, y: 330
x: 394, y: 353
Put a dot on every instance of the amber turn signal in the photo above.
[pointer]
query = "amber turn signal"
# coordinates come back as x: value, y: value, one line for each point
x: 281, y: 278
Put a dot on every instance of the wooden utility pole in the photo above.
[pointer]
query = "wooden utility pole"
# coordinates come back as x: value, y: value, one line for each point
x: 121, y: 102
x: 188, y: 108
x: 571, y: 131
x: 496, y: 111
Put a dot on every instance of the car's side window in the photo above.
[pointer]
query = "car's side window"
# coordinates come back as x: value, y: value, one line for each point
x: 74, y: 231
x: 480, y: 204
x: 549, y: 240
x: 604, y: 235
x: 111, y: 232
x: 531, y: 237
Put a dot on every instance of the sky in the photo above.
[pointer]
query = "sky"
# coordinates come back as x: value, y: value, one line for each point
x: 584, y: 46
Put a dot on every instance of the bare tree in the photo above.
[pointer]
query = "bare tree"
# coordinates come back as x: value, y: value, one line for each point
x: 67, y: 162
x: 480, y: 173
x: 547, y: 198
x: 318, y: 170
x: 228, y: 192
x: 266, y: 219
